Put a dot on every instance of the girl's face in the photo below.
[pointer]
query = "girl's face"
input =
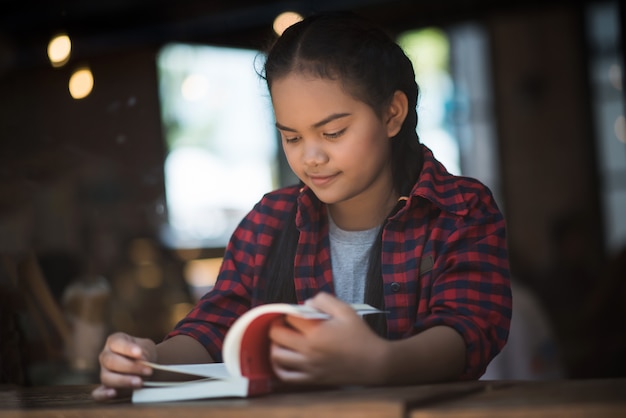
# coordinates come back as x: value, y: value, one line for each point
x: 336, y: 144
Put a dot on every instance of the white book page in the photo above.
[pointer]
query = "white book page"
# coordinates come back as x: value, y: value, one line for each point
x: 207, y: 370
x: 204, y: 389
x: 166, y: 383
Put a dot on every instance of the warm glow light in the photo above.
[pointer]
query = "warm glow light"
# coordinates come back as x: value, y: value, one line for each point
x: 149, y: 276
x: 142, y: 251
x: 194, y: 87
x: 620, y: 129
x: 202, y: 273
x: 187, y: 254
x: 81, y: 83
x: 284, y: 20
x: 59, y: 50
x: 178, y: 312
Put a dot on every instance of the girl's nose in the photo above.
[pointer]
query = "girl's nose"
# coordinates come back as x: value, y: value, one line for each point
x: 313, y: 154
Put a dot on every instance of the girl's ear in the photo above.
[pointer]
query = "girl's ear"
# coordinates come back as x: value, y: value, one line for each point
x: 396, y: 113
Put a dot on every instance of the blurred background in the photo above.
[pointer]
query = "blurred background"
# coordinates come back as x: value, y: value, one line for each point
x: 134, y: 135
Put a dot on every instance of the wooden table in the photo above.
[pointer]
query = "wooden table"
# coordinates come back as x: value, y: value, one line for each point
x: 603, y: 398
x: 597, y: 398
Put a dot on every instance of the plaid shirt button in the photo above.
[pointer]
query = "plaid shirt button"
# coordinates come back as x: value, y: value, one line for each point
x: 395, y: 287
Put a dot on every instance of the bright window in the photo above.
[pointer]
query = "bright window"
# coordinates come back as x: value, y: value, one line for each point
x: 220, y: 138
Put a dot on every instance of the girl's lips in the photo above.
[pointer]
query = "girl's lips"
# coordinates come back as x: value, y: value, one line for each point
x: 322, y: 180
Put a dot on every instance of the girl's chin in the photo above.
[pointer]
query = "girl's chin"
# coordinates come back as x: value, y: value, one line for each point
x: 326, y: 197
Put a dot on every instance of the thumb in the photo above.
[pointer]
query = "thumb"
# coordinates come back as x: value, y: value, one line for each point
x: 327, y: 303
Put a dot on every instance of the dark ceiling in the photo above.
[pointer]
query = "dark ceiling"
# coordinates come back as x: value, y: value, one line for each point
x: 101, y: 26
x: 27, y: 18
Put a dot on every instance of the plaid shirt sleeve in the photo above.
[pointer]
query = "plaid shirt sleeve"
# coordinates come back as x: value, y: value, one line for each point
x: 445, y: 262
x: 468, y: 287
x: 471, y: 291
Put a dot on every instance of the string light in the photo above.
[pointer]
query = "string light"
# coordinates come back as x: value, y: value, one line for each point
x: 59, y: 49
x: 284, y: 20
x: 81, y: 83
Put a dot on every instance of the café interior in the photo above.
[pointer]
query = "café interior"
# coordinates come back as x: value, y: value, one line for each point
x: 135, y: 135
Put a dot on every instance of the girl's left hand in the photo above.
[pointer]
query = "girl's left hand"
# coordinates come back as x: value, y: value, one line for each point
x: 340, y: 350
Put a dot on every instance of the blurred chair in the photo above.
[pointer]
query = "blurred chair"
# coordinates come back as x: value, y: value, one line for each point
x: 11, y: 338
x: 33, y: 329
x: 532, y: 351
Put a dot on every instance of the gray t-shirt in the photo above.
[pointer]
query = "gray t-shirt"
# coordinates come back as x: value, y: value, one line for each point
x: 349, y: 255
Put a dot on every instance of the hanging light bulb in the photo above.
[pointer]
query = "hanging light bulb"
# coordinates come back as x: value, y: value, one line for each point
x: 81, y: 83
x: 59, y: 49
x: 284, y: 20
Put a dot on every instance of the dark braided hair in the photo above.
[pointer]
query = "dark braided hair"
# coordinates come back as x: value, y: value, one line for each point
x: 371, y: 67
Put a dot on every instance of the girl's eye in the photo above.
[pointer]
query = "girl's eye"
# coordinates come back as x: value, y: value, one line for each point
x: 334, y: 135
x: 291, y: 140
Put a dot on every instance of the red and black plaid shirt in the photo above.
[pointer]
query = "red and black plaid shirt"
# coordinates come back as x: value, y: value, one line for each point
x: 444, y: 262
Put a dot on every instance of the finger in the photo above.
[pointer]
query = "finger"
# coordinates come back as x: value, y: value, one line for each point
x: 120, y: 380
x: 287, y: 364
x: 103, y: 393
x: 302, y: 325
x: 116, y: 363
x: 283, y: 334
x: 292, y: 376
x: 127, y: 345
x: 287, y: 358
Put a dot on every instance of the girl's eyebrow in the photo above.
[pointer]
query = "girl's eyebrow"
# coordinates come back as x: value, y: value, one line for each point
x: 323, y: 122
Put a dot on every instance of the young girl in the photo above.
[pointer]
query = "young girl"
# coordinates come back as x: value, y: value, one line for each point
x: 376, y: 219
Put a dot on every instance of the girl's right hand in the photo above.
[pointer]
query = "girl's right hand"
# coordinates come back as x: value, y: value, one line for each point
x: 120, y: 368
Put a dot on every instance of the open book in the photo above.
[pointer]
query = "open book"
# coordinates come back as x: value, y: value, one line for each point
x: 246, y: 370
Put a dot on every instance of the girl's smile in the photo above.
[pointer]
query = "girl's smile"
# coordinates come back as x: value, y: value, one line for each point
x: 320, y: 180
